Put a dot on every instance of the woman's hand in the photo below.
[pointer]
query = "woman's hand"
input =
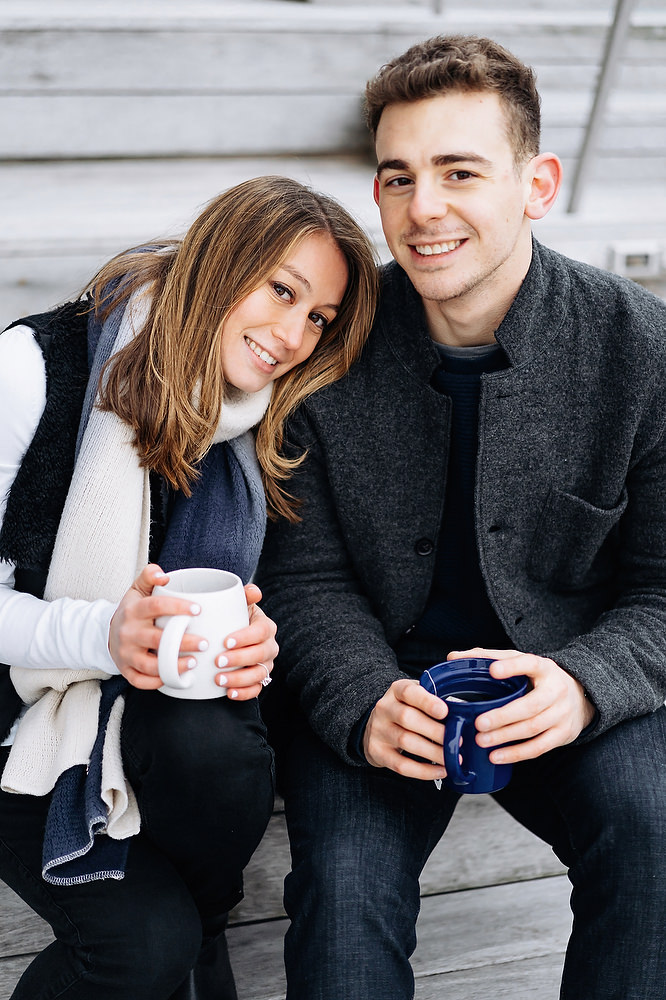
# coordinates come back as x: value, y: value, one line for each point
x: 252, y: 649
x: 134, y: 636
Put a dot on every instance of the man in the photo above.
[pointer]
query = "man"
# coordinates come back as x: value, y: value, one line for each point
x: 490, y: 477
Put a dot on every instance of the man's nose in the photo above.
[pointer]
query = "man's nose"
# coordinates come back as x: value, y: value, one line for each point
x: 427, y: 203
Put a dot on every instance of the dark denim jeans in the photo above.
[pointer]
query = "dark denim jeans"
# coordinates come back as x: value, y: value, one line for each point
x: 360, y: 838
x: 203, y: 776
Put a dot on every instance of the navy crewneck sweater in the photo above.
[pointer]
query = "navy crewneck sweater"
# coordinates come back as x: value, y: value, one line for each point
x: 458, y: 614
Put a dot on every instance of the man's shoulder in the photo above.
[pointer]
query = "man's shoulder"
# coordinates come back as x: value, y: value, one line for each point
x: 606, y: 294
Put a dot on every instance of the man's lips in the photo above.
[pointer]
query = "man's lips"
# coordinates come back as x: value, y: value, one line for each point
x: 430, y: 249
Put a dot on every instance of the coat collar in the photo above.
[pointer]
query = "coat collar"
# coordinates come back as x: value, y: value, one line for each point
x: 535, y: 316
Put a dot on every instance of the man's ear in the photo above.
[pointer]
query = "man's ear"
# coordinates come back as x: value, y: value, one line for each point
x: 375, y: 189
x: 545, y: 175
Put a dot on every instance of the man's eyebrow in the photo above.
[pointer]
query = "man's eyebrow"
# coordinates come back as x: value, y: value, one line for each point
x: 446, y: 159
x: 442, y: 160
x: 392, y: 165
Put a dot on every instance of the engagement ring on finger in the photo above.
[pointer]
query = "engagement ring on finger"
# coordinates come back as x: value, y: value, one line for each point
x: 267, y: 679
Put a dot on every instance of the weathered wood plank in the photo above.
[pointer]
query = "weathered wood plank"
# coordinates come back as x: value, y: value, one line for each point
x: 184, y: 125
x: 253, y: 58
x: 485, y: 846
x: 522, y: 980
x: 475, y: 937
x: 93, y: 85
x: 477, y: 927
x: 462, y: 860
x: 518, y: 980
x: 488, y: 944
x: 177, y: 125
x: 249, y: 61
x: 21, y: 931
x: 11, y: 970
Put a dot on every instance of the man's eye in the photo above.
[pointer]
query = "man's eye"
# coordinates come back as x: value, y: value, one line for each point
x: 398, y: 182
x: 282, y: 291
x: 461, y: 175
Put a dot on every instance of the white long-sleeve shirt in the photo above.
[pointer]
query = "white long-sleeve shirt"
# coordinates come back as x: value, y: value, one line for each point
x: 64, y: 633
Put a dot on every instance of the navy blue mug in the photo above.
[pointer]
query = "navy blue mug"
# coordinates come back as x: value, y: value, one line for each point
x: 469, y: 690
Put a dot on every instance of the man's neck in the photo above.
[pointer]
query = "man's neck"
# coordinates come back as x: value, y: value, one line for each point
x: 471, y: 319
x: 463, y: 330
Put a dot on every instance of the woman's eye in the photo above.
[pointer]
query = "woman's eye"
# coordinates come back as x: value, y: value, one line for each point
x: 319, y: 321
x: 282, y: 291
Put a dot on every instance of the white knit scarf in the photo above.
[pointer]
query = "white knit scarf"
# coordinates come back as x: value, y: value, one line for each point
x: 100, y: 548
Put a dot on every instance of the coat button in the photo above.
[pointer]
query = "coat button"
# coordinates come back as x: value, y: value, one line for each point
x: 424, y: 547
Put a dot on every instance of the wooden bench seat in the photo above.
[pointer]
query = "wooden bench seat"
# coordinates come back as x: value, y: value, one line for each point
x: 494, y: 915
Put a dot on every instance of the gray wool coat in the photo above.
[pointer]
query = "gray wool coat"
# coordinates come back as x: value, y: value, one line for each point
x: 570, y: 504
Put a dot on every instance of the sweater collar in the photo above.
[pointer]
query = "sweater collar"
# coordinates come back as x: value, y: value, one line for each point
x: 241, y: 411
x: 534, y: 317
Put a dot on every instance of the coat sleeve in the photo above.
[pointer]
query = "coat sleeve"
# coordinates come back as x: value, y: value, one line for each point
x: 621, y: 660
x: 334, y: 656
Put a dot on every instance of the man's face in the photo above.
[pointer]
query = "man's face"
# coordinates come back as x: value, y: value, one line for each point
x: 451, y: 199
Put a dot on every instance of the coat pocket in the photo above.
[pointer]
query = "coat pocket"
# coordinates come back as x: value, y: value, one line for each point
x: 575, y: 543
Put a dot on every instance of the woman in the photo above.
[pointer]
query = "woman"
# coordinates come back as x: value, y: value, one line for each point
x: 127, y: 442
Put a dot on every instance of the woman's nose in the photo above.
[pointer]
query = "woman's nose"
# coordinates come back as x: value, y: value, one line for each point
x: 289, y: 331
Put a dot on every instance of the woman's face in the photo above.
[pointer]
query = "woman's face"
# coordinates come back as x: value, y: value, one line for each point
x: 279, y: 324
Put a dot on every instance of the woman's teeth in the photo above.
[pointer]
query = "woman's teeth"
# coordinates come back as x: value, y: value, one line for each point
x: 260, y: 352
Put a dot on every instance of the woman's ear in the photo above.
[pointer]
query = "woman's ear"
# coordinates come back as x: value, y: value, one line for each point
x: 545, y: 176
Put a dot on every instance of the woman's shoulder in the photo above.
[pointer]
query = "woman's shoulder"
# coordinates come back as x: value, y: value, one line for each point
x: 22, y: 384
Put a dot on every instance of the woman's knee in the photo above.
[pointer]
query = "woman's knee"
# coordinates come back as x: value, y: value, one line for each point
x: 215, y: 749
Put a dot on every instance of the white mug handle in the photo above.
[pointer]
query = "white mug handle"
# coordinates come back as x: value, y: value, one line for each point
x: 167, y: 653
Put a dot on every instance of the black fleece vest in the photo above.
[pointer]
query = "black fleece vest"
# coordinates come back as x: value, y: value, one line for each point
x: 37, y: 496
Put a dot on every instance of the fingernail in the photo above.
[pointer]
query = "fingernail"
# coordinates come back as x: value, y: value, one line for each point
x: 230, y: 643
x: 195, y: 609
x: 233, y: 694
x: 203, y: 645
x: 191, y: 663
x: 222, y: 662
x: 222, y: 680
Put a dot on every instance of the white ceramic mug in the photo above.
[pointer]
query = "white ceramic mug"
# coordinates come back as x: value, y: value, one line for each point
x: 221, y: 597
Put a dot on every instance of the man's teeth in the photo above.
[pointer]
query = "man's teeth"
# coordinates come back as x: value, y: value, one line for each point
x: 438, y: 248
x: 260, y: 352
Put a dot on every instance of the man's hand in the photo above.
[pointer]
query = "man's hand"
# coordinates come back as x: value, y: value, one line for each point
x: 407, y: 719
x: 553, y: 713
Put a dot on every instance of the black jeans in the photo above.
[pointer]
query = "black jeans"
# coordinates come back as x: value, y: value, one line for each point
x: 360, y: 837
x: 203, y: 775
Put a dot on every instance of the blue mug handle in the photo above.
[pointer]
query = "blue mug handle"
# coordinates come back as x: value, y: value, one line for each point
x: 452, y: 753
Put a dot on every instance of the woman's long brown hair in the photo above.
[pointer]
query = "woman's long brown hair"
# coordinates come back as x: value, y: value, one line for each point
x: 167, y: 383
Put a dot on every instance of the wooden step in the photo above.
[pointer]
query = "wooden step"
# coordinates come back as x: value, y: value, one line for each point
x: 83, y: 80
x: 504, y: 941
x: 460, y: 864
